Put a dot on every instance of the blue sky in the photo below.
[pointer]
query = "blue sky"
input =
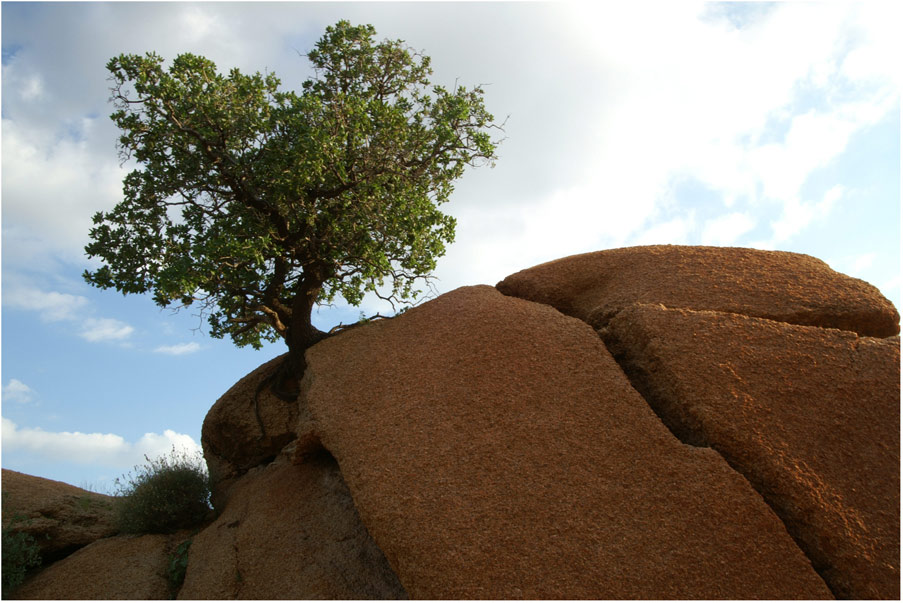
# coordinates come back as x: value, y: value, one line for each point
x: 767, y: 125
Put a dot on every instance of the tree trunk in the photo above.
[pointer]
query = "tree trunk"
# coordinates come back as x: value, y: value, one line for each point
x: 300, y: 336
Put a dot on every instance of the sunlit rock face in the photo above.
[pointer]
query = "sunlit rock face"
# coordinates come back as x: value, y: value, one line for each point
x: 810, y: 416
x: 788, y: 369
x: 782, y: 286
x: 495, y: 449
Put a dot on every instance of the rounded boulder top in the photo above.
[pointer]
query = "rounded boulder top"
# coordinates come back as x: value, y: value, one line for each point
x: 779, y: 285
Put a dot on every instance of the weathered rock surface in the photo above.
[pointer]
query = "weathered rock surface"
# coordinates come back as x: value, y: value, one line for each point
x: 289, y: 532
x: 60, y: 517
x: 494, y: 449
x: 121, y: 567
x: 788, y: 287
x: 811, y: 416
x: 246, y: 427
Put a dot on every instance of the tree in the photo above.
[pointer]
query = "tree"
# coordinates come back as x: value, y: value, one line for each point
x: 257, y: 204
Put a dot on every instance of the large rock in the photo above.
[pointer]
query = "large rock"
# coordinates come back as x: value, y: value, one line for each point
x: 788, y: 287
x: 289, y: 532
x: 245, y: 428
x: 494, y: 449
x: 121, y: 567
x: 811, y: 416
x: 60, y: 517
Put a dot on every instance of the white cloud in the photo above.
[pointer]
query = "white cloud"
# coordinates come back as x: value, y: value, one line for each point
x: 33, y: 88
x: 891, y: 289
x: 153, y: 445
x: 197, y: 23
x: 104, y: 329
x: 862, y: 262
x: 673, y: 232
x: 700, y: 109
x: 727, y: 229
x: 51, y: 305
x: 70, y: 446
x: 178, y: 349
x: 18, y: 392
x: 798, y: 215
x: 812, y: 142
x: 105, y: 449
x: 54, y: 180
x: 876, y: 58
x: 685, y: 112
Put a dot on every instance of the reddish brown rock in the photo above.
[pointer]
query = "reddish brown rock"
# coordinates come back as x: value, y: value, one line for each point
x: 60, y: 517
x: 121, y: 567
x: 246, y: 427
x: 788, y: 287
x: 289, y: 532
x: 811, y: 416
x: 495, y: 450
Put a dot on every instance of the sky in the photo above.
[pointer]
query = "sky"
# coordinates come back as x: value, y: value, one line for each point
x: 763, y: 125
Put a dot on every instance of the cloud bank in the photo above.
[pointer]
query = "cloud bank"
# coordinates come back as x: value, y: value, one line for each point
x: 611, y: 108
x: 100, y: 449
x: 54, y: 306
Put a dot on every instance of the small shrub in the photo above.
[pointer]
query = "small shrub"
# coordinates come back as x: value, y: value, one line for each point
x: 167, y: 494
x: 20, y: 552
x: 178, y: 564
x: 88, y: 503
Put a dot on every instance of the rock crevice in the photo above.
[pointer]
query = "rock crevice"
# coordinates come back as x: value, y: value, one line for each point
x: 794, y: 409
x: 495, y: 450
x: 289, y: 531
x: 756, y: 356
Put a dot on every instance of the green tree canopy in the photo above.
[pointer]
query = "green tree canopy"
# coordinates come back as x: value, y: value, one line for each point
x: 258, y: 203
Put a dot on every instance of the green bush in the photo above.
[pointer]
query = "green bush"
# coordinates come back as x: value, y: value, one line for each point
x: 178, y: 564
x: 20, y: 552
x: 167, y: 494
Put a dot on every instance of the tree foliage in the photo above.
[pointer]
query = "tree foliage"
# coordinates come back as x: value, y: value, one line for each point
x: 257, y: 203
